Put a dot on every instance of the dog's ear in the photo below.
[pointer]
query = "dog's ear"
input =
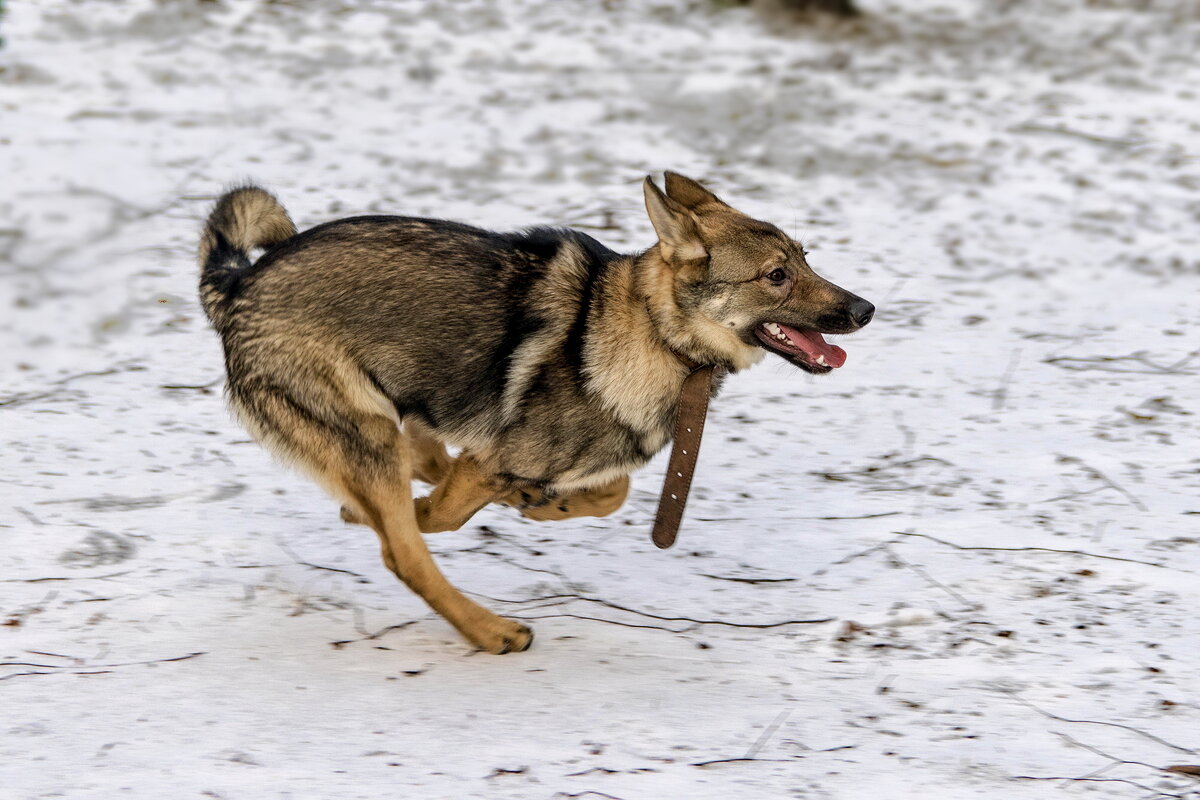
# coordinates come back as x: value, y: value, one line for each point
x: 690, y: 194
x: 677, y: 228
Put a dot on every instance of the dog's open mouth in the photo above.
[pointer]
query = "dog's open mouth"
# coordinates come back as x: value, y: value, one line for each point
x: 804, y: 348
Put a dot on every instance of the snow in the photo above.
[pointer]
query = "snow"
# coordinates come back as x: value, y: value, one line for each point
x: 995, y: 505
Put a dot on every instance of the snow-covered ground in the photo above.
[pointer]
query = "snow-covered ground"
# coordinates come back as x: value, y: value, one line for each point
x: 965, y: 565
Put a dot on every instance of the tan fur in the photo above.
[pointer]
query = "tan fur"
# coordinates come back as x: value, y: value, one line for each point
x: 432, y: 464
x: 599, y: 501
x: 564, y: 278
x: 372, y: 477
x: 250, y: 218
x: 359, y: 351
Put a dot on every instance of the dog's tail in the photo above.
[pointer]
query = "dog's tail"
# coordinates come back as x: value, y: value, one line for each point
x: 243, y: 219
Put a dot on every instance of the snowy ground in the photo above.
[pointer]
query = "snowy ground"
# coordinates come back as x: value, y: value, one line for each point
x: 963, y: 566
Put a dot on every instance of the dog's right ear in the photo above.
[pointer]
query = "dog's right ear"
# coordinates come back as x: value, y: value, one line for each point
x: 678, y: 229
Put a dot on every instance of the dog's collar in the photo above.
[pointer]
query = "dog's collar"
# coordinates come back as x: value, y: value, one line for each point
x: 692, y: 365
x: 687, y: 362
x: 689, y: 427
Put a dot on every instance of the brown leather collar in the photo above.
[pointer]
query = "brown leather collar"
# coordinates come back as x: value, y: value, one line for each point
x: 687, y: 362
x: 689, y: 427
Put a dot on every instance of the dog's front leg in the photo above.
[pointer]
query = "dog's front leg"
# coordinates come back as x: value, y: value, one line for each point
x: 464, y: 489
x: 599, y: 501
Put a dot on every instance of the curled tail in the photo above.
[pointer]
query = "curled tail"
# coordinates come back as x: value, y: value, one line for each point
x: 243, y: 219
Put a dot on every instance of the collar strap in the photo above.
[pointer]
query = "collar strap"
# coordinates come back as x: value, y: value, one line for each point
x: 687, y: 362
x: 689, y: 426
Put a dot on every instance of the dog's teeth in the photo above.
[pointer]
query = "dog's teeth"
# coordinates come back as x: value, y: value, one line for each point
x: 774, y: 329
x: 821, y: 361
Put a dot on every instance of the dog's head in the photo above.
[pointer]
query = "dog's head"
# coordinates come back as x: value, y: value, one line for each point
x: 728, y: 286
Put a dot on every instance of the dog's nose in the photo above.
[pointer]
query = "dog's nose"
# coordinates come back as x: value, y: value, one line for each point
x: 861, y: 312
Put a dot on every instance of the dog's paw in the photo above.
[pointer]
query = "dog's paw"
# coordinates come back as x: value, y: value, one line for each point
x: 550, y: 512
x: 351, y: 517
x: 524, y: 499
x: 499, y: 636
x: 427, y: 521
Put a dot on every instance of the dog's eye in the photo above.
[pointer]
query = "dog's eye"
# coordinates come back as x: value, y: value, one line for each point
x: 777, y: 276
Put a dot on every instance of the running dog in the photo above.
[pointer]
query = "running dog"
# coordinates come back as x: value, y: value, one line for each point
x: 358, y: 349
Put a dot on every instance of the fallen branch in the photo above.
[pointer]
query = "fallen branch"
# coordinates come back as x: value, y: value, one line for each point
x: 76, y: 659
x: 87, y: 669
x: 880, y: 468
x: 1116, y: 364
x: 1107, y: 481
x: 310, y: 565
x: 1116, y: 762
x: 202, y: 388
x: 23, y: 398
x: 1142, y: 786
x: 803, y: 519
x: 618, y: 607
x: 860, y: 554
x: 66, y: 578
x: 746, y: 580
x: 33, y: 664
x: 602, y: 619
x: 1032, y: 549
x: 512, y: 563
x: 366, y: 635
x: 601, y: 770
x: 736, y: 760
x: 1130, y: 728
x: 20, y: 674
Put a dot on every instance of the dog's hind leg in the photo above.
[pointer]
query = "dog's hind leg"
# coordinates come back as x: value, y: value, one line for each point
x: 329, y: 423
x: 430, y: 462
x: 465, y: 489
x: 390, y: 513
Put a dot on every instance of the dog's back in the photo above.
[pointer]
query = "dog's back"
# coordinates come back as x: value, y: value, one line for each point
x: 437, y: 313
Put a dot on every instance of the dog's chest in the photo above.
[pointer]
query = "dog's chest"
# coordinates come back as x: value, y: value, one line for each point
x: 607, y: 458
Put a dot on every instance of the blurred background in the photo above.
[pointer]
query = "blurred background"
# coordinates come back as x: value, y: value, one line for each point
x: 1004, y: 137
x: 1014, y: 184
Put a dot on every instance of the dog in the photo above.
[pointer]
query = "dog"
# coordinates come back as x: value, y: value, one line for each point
x: 360, y: 348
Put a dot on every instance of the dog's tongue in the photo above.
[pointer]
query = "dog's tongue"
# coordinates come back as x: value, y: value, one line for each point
x: 813, y: 344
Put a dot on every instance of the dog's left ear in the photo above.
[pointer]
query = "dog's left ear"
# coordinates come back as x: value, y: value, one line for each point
x: 691, y: 195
